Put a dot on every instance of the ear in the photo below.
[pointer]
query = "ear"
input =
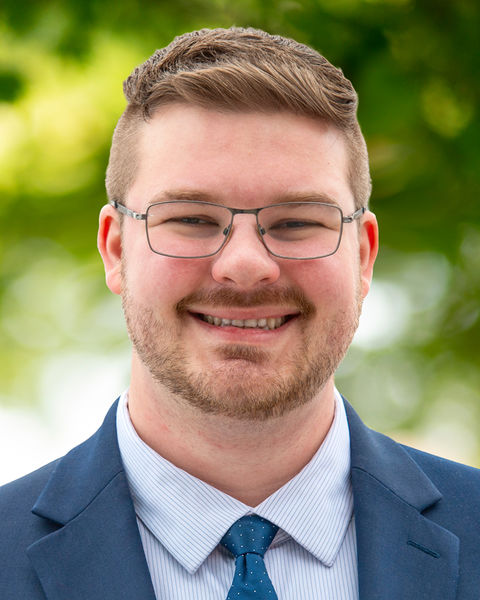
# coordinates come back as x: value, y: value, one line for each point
x: 368, y: 249
x: 109, y: 242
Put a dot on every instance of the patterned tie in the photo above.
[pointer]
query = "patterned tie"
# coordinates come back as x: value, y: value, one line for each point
x: 248, y: 539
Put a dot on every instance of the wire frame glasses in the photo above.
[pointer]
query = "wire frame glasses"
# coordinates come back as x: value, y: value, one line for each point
x: 195, y: 229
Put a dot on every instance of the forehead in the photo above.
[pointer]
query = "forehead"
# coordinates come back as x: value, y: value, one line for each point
x: 240, y: 159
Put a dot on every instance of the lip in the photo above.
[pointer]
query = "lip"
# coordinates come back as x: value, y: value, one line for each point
x: 230, y: 333
x: 242, y: 314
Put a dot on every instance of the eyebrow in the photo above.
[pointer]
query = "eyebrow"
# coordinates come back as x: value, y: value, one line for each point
x: 201, y: 196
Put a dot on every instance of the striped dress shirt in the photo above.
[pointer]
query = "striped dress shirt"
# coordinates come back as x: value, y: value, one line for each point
x: 181, y: 520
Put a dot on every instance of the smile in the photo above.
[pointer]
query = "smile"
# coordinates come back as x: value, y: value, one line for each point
x: 265, y: 323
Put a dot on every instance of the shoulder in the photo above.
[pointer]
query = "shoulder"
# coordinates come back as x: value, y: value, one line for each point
x: 443, y: 467
x: 389, y: 460
x: 22, y: 493
x: 444, y: 489
x: 19, y: 528
x: 27, y: 486
x: 94, y: 459
x: 459, y: 484
x: 16, y: 501
x: 39, y: 504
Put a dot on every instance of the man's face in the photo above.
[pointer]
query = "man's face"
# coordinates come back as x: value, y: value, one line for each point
x: 241, y: 160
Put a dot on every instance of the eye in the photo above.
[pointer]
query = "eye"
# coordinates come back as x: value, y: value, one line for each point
x: 187, y: 221
x: 296, y: 224
x: 193, y: 221
x: 186, y: 226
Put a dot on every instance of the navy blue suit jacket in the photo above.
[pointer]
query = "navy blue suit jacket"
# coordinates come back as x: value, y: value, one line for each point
x: 68, y: 531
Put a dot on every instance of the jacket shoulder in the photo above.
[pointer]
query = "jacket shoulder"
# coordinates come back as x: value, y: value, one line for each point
x: 41, y: 503
x: 19, y: 528
x: 16, y: 501
x: 28, y: 484
x: 458, y: 483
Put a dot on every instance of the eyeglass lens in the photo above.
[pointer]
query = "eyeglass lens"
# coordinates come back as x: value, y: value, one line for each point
x: 291, y: 230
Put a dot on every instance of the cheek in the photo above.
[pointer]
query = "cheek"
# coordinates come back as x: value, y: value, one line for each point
x: 328, y: 282
x: 315, y: 276
x: 159, y: 281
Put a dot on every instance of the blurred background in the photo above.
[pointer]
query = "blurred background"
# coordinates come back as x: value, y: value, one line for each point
x: 413, y: 370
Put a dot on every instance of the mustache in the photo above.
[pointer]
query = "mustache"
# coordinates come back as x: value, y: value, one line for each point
x: 227, y: 297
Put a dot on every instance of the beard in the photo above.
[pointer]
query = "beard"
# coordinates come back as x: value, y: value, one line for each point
x: 245, y: 383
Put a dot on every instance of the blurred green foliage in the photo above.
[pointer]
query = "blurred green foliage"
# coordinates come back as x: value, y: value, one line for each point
x: 415, y: 65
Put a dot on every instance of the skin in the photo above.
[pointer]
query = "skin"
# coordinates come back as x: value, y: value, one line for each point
x: 247, y: 441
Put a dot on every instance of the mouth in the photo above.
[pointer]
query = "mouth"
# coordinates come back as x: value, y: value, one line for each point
x: 263, y: 323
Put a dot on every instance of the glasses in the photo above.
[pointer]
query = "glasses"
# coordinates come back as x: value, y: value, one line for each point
x: 195, y: 229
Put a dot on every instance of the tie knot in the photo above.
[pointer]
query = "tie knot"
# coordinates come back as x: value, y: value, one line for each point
x: 250, y: 534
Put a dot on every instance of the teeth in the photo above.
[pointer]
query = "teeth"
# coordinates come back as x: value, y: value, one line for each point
x: 263, y: 323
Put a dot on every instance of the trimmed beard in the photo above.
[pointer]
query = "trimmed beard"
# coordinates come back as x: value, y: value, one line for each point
x: 246, y: 385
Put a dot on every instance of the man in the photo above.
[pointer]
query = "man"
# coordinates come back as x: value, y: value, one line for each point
x: 239, y: 238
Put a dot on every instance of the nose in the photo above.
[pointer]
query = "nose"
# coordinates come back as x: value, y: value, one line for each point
x: 244, y: 261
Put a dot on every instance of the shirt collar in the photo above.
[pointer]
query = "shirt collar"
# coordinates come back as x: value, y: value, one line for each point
x: 189, y: 517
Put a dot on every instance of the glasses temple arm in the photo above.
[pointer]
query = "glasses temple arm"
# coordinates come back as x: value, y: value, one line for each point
x: 358, y: 213
x: 126, y: 211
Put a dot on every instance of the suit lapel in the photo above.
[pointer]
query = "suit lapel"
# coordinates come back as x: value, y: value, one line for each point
x: 96, y: 551
x: 401, y: 553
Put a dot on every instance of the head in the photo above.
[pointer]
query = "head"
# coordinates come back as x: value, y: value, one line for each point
x: 244, y: 70
x: 242, y: 119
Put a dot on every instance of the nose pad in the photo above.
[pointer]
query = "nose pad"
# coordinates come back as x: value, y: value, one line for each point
x: 227, y: 232
x: 261, y: 233
x: 242, y: 262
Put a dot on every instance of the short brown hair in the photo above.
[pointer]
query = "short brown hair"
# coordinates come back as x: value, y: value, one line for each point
x: 238, y: 69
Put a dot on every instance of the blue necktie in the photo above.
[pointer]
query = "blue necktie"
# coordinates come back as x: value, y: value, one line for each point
x: 248, y: 539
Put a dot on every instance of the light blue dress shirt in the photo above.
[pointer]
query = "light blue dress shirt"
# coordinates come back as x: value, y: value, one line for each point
x: 181, y: 520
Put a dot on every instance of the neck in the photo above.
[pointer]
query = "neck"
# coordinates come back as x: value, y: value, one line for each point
x: 248, y: 460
